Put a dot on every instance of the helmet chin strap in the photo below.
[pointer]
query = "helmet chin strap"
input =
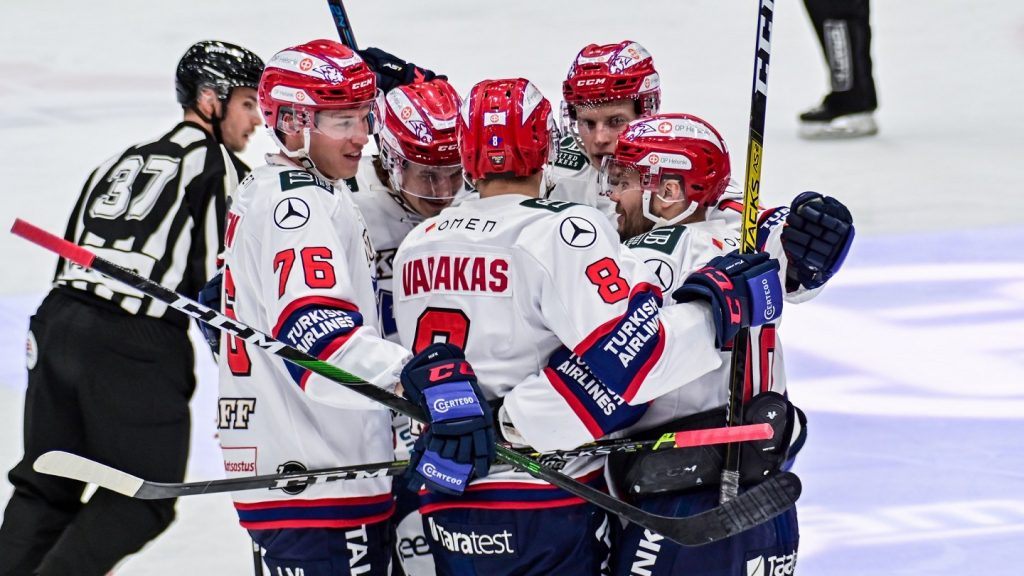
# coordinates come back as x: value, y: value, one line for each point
x: 658, y: 220
x: 300, y: 156
x: 213, y: 119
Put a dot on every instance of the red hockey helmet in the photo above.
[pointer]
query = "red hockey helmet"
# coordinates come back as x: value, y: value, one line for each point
x: 678, y: 146
x: 506, y: 129
x: 417, y: 129
x: 609, y: 72
x: 315, y: 76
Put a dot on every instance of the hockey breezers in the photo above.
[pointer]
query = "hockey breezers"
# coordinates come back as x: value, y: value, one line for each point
x: 67, y: 465
x: 751, y: 508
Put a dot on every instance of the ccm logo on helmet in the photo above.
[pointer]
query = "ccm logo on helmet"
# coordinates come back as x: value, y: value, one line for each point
x: 361, y: 84
x: 591, y: 81
x: 447, y: 147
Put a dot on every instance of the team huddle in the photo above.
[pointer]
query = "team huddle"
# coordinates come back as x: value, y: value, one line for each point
x: 523, y: 277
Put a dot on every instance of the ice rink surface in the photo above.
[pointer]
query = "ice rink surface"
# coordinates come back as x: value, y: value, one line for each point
x: 910, y: 365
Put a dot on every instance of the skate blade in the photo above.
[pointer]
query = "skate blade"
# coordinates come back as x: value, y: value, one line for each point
x: 842, y: 127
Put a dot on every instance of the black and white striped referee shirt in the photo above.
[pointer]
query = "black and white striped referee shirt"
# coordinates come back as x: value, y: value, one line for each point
x: 159, y: 209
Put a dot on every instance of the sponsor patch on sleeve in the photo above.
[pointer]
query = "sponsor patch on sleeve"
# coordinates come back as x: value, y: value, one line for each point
x: 550, y: 205
x: 599, y: 408
x: 569, y: 155
x: 661, y: 239
x: 291, y: 179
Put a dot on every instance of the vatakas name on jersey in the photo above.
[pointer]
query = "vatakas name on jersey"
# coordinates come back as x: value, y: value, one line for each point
x: 299, y: 266
x: 157, y: 209
x: 512, y: 279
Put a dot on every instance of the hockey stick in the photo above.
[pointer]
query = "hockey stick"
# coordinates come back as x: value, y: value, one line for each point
x: 341, y: 22
x: 753, y: 507
x: 67, y: 465
x: 751, y: 199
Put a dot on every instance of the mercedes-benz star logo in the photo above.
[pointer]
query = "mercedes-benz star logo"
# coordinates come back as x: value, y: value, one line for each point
x: 578, y: 232
x: 291, y: 213
x: 663, y: 270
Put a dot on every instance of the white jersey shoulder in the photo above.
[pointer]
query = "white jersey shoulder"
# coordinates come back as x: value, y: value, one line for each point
x: 512, y: 279
x: 571, y: 178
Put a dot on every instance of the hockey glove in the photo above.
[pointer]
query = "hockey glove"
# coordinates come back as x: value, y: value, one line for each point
x: 209, y: 296
x: 392, y: 71
x: 742, y: 289
x: 818, y: 234
x: 460, y: 438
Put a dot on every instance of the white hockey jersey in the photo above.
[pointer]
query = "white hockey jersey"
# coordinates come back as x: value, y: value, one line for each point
x: 299, y: 266
x: 388, y: 222
x: 571, y: 178
x: 671, y: 253
x: 512, y: 279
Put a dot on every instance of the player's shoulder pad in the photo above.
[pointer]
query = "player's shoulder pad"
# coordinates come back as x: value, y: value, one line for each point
x: 549, y: 205
x: 662, y: 239
x: 570, y: 156
x: 291, y: 179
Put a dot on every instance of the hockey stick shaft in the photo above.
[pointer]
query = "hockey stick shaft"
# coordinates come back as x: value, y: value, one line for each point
x: 342, y: 23
x: 761, y: 503
x: 76, y: 467
x: 751, y: 200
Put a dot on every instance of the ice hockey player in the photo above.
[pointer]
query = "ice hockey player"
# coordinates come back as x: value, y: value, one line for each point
x: 607, y: 87
x: 110, y: 373
x: 416, y: 175
x: 299, y: 266
x: 668, y: 172
x: 510, y: 279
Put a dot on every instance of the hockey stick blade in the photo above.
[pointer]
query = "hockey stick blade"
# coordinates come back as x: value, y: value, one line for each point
x: 688, y: 531
x: 75, y: 467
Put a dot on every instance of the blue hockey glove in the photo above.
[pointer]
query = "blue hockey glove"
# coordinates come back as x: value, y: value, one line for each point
x: 817, y: 237
x: 392, y: 71
x: 209, y: 296
x: 743, y: 290
x: 459, y: 441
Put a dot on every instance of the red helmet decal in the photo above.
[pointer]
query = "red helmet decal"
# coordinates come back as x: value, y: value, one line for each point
x: 505, y: 128
x: 317, y: 75
x: 678, y: 145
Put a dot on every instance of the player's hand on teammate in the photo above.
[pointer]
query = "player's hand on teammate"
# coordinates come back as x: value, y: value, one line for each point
x: 459, y: 442
x: 742, y: 289
x: 209, y: 296
x: 817, y: 237
x: 392, y: 71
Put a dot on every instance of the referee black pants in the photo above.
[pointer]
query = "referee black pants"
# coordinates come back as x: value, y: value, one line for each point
x: 844, y: 32
x: 114, y: 388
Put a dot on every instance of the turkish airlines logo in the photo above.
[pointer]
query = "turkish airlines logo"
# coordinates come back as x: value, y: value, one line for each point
x: 291, y: 213
x: 578, y: 232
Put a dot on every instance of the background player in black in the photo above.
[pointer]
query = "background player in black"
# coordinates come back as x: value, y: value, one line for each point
x: 844, y: 32
x: 112, y: 372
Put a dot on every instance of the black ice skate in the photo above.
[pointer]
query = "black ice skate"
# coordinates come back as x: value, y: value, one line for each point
x: 829, y: 122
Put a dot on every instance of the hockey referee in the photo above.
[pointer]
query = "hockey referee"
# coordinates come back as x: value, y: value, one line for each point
x: 111, y: 371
